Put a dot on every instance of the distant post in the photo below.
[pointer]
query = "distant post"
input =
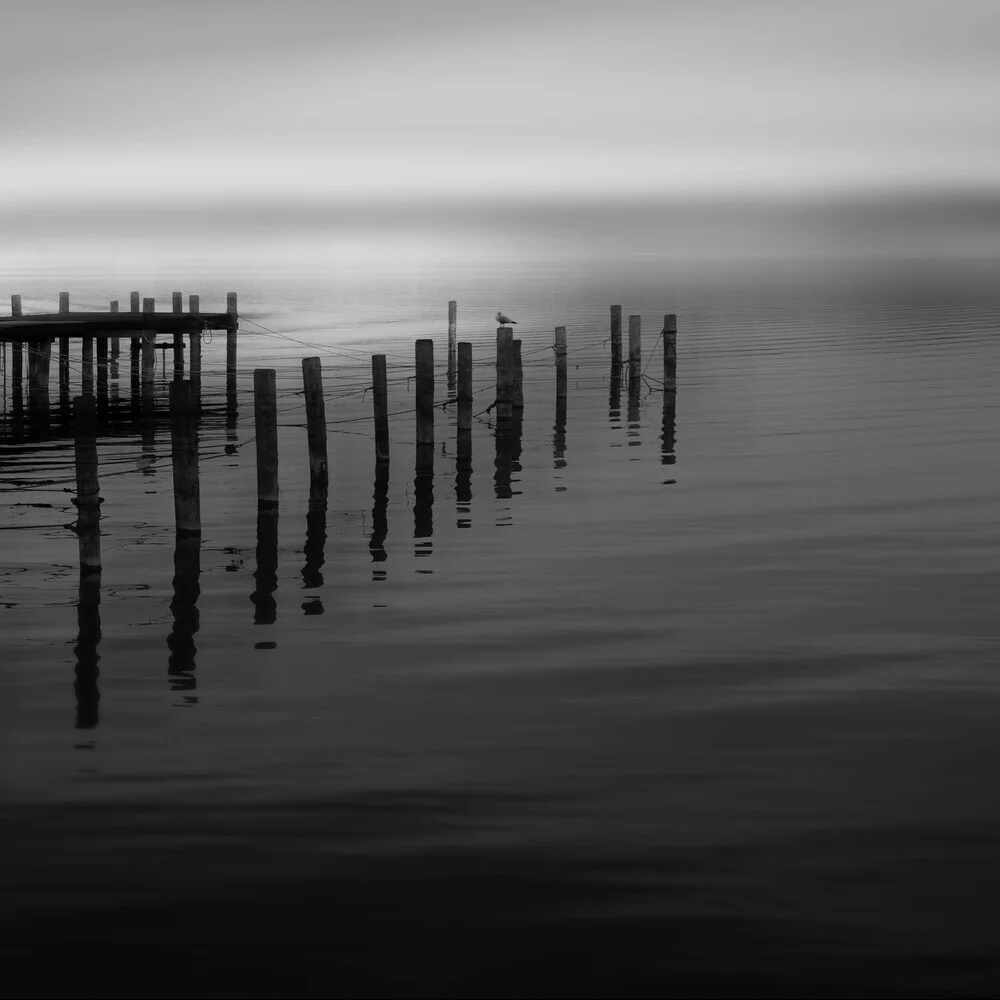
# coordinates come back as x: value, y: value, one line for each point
x: 88, y: 489
x: 312, y: 379
x: 560, y: 362
x: 64, y: 302
x: 231, y: 332
x: 15, y: 306
x: 616, y: 336
x: 380, y: 398
x: 194, y: 308
x: 184, y: 455
x: 452, y: 338
x: 265, y: 413
x: 634, y: 346
x: 425, y: 392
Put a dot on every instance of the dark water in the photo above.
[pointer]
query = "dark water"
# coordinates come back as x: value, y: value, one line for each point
x: 647, y: 703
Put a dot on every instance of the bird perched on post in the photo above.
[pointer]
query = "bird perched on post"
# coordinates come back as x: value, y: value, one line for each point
x: 505, y: 320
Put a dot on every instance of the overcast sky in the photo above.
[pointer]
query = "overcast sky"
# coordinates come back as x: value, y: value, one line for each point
x: 158, y: 101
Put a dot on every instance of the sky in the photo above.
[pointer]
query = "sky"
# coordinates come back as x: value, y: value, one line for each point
x: 167, y: 103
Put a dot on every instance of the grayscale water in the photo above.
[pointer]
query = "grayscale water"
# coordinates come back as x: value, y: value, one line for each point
x: 706, y: 708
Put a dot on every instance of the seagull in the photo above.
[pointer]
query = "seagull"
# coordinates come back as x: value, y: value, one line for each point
x: 505, y: 320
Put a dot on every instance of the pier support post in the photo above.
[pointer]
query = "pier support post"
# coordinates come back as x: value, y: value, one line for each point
x: 231, y: 332
x: 425, y: 392
x: 194, y: 308
x: 63, y: 364
x: 505, y: 374
x: 148, y: 346
x: 88, y: 489
x: 64, y: 302
x: 102, y: 371
x: 380, y: 399
x: 265, y: 413
x: 184, y: 455
x: 17, y: 362
x: 177, y: 307
x: 670, y: 353
x: 518, y: 388
x: 560, y: 351
x: 616, y: 336
x: 87, y: 364
x: 15, y: 306
x: 634, y: 346
x: 136, y: 341
x: 452, y: 342
x: 319, y: 476
x: 115, y: 341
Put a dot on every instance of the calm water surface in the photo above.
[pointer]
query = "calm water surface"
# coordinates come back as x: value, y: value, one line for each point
x: 701, y: 703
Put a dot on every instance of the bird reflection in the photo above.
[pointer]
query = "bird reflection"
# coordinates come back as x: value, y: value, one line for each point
x: 184, y: 606
x: 266, y: 574
x: 423, y: 504
x: 463, y: 477
x: 380, y: 523
x: 88, y: 616
x: 312, y: 576
x: 634, y: 391
x: 668, y: 437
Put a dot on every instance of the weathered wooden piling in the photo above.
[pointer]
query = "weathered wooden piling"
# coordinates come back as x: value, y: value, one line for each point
x: 452, y: 337
x: 670, y: 352
x: 184, y: 457
x: 464, y: 386
x: 231, y: 333
x: 312, y: 380
x: 560, y: 351
x: 148, y: 346
x: 265, y: 413
x: 634, y: 346
x: 194, y: 308
x: 505, y: 374
x: 64, y: 302
x: 15, y: 306
x: 425, y: 392
x: 517, y: 396
x: 380, y: 400
x: 616, y: 336
x: 88, y: 489
x: 177, y: 307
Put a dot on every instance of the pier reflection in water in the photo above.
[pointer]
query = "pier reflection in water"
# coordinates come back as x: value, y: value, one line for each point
x: 380, y: 522
x: 184, y: 607
x: 88, y: 616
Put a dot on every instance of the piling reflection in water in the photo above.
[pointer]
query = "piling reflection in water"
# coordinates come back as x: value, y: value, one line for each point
x: 615, y: 395
x: 423, y: 501
x: 559, y: 435
x: 266, y: 574
x: 232, y: 410
x: 184, y: 607
x: 88, y: 616
x: 668, y: 436
x: 380, y: 522
x: 463, y: 478
x: 312, y: 575
x: 634, y: 395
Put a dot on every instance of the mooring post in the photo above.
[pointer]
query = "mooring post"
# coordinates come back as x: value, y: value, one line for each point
x: 616, y: 336
x: 15, y: 306
x: 380, y: 399
x: 64, y: 302
x: 231, y: 332
x: 505, y: 374
x: 670, y: 352
x: 518, y: 389
x: 560, y: 362
x: 184, y: 456
x: 319, y: 476
x: 148, y: 346
x: 88, y: 489
x: 177, y: 307
x: 465, y: 386
x: 115, y: 343
x: 194, y: 308
x: 425, y: 392
x: 452, y: 338
x: 265, y: 415
x: 634, y: 346
x: 87, y: 359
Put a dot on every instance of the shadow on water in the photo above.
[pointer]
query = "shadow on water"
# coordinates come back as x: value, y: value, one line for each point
x: 88, y: 615
x: 463, y: 478
x: 312, y: 575
x: 184, y: 607
x: 380, y: 522
x: 266, y: 574
x: 423, y: 502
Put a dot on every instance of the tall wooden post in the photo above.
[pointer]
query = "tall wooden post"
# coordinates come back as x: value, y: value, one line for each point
x: 115, y: 342
x: 64, y: 302
x: 184, y: 455
x: 312, y: 379
x: 425, y: 392
x: 465, y: 386
x: 616, y: 336
x: 634, y: 346
x: 265, y: 413
x: 560, y: 362
x: 231, y: 332
x: 15, y: 306
x: 177, y: 307
x: 88, y: 489
x: 518, y: 388
x: 505, y: 374
x: 194, y: 308
x: 452, y: 338
x: 380, y: 399
x: 670, y: 352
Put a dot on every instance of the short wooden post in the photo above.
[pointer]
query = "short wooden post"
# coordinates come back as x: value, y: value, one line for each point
x: 231, y: 332
x: 177, y: 303
x: 380, y: 398
x: 634, y: 346
x: 15, y: 306
x: 148, y: 345
x: 616, y: 336
x: 194, y: 308
x: 64, y: 302
x: 452, y: 337
x: 560, y: 362
x: 87, y: 358
x: 670, y: 352
x: 505, y: 374
x: 518, y: 388
x: 88, y: 489
x: 265, y: 414
x: 465, y: 386
x: 177, y: 307
x: 184, y: 458
x: 425, y: 392
x: 312, y: 380
x: 133, y: 302
x: 115, y: 341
